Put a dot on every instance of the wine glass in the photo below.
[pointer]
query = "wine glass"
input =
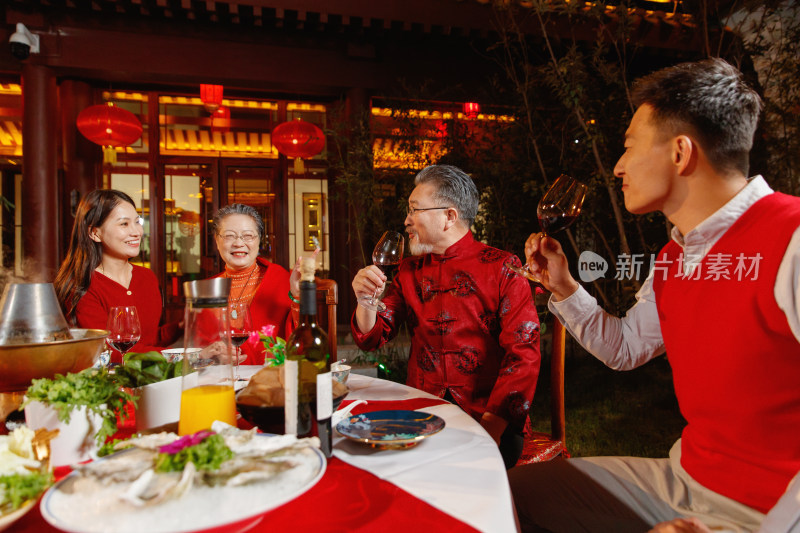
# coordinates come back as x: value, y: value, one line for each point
x: 386, y: 256
x: 241, y: 329
x: 124, y: 329
x: 558, y: 209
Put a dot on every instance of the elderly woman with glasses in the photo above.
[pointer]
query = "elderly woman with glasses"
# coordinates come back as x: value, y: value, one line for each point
x: 97, y: 274
x: 269, y: 290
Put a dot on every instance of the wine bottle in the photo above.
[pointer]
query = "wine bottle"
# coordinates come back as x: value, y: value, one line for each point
x: 308, y: 386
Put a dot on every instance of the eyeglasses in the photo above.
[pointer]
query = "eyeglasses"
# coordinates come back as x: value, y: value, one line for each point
x: 247, y: 237
x: 411, y: 210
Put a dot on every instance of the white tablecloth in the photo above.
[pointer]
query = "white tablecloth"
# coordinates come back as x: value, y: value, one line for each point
x: 459, y: 470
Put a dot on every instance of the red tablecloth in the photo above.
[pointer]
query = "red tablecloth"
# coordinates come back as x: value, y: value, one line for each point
x: 346, y: 499
x: 409, y: 405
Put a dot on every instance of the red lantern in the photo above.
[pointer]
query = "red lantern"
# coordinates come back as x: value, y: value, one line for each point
x: 298, y: 139
x: 471, y: 109
x: 109, y: 126
x: 211, y: 96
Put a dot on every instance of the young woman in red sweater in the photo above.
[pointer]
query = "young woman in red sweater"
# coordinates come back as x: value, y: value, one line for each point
x: 97, y: 274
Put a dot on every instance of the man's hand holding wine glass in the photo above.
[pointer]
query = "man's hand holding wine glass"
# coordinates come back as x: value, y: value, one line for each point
x: 546, y: 260
x: 368, y: 282
x: 557, y: 210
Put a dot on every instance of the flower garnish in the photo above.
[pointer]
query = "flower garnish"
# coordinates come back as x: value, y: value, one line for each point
x: 274, y: 346
x: 186, y: 441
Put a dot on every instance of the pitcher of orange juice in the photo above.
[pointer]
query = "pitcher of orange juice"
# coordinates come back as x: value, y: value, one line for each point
x: 207, y: 328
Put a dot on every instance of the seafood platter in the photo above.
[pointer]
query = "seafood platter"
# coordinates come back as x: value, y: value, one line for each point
x: 162, y: 482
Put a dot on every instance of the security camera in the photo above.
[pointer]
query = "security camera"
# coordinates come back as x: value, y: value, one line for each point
x: 23, y: 42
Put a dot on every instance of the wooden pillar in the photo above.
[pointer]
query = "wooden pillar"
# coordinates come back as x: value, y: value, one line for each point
x: 40, y: 173
x: 80, y: 156
x: 345, y: 252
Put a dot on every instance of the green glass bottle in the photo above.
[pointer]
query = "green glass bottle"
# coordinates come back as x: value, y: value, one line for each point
x: 310, y: 403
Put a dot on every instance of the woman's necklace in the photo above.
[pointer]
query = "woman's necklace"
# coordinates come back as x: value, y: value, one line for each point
x: 234, y: 314
x: 124, y: 280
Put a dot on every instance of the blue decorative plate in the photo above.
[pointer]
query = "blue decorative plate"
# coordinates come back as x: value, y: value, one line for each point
x: 390, y: 429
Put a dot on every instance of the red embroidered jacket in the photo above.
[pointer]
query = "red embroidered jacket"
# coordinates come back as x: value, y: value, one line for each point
x: 473, y: 325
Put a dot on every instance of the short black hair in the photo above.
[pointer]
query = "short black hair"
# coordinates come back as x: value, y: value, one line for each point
x: 708, y: 100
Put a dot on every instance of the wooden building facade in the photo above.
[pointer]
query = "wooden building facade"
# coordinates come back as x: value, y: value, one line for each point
x: 276, y: 59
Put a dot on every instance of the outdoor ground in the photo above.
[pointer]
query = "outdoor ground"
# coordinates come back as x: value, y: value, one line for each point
x: 610, y: 412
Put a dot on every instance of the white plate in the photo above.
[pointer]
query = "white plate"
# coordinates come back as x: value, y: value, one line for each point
x: 201, y: 508
x: 7, y: 519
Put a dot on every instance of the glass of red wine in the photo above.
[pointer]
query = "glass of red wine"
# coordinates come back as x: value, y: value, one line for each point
x: 558, y: 209
x: 386, y: 256
x: 241, y: 329
x: 123, y: 327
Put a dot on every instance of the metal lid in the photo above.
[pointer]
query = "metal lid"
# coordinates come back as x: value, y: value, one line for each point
x: 31, y: 314
x: 207, y: 289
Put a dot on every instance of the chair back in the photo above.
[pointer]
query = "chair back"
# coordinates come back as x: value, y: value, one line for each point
x: 327, y: 298
x: 557, y: 412
x: 539, y: 447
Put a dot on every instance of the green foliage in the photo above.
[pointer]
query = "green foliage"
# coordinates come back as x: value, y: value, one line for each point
x: 110, y: 447
x: 770, y: 41
x: 95, y: 389
x: 207, y: 454
x: 276, y: 347
x: 370, y: 195
x: 391, y: 360
x: 16, y: 489
x: 140, y: 369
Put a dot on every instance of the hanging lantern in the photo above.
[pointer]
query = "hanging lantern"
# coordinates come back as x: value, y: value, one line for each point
x: 440, y: 127
x: 110, y: 127
x: 298, y: 139
x: 211, y: 96
x: 471, y: 109
x: 221, y: 120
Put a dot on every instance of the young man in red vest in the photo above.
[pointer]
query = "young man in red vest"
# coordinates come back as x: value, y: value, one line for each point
x: 723, y: 300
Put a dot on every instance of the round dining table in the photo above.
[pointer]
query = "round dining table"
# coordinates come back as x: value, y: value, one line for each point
x: 451, y: 481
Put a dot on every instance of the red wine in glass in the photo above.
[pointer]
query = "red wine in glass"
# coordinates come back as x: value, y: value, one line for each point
x: 241, y: 328
x: 386, y: 256
x: 237, y: 339
x: 124, y: 330
x: 554, y: 223
x: 557, y: 210
x: 387, y: 268
x: 123, y: 345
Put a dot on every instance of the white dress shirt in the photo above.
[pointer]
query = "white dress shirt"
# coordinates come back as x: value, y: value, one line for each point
x: 628, y: 342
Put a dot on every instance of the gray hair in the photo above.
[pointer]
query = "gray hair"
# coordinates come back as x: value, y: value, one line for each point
x: 710, y: 99
x: 239, y: 209
x: 453, y: 187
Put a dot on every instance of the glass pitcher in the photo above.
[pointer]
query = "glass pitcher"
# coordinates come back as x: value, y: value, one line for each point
x: 207, y: 384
